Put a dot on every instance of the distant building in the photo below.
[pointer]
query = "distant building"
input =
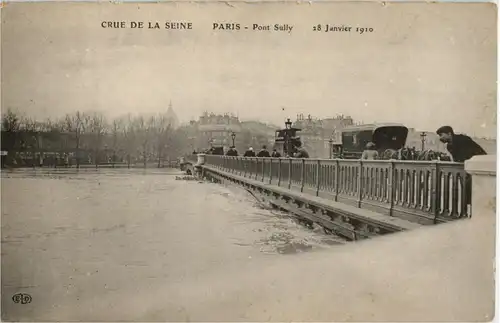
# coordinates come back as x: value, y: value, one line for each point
x: 316, y: 133
x: 172, y: 117
x: 216, y: 129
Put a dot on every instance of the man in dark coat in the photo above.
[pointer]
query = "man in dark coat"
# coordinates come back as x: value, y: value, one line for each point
x: 263, y: 152
x: 461, y: 147
x: 300, y: 152
x: 232, y: 152
x: 275, y: 154
x: 249, y: 153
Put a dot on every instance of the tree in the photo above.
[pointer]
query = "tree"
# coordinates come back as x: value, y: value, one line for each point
x: 31, y: 136
x: 116, y: 130
x: 10, y: 121
x: 144, y: 128
x: 129, y: 137
x: 97, y: 129
x: 77, y: 124
x: 162, y: 131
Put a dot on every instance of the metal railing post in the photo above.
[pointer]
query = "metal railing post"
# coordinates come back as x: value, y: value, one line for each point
x: 279, y: 171
x: 271, y: 170
x: 263, y: 168
x: 302, y: 174
x: 391, y: 188
x: 337, y: 179
x: 436, y: 187
x: 318, y: 181
x: 290, y: 174
x: 360, y: 182
x: 256, y: 168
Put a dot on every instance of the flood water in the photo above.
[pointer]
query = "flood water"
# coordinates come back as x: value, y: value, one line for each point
x: 71, y: 237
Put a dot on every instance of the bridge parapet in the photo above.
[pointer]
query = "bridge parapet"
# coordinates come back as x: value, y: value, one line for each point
x: 483, y: 171
x: 419, y: 191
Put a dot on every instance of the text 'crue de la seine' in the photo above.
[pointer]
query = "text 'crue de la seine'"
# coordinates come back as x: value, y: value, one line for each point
x: 172, y: 25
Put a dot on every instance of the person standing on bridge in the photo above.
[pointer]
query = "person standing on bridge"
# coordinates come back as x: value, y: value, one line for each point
x: 249, y: 153
x: 370, y: 152
x: 264, y: 152
x: 232, y: 152
x: 460, y: 147
x: 275, y: 154
x: 300, y: 151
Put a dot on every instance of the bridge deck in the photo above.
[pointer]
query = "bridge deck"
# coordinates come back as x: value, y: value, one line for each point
x: 364, y: 215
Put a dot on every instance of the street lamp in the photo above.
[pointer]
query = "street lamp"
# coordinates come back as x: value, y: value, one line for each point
x: 422, y: 136
x: 288, y: 127
x: 233, y: 136
x: 330, y: 141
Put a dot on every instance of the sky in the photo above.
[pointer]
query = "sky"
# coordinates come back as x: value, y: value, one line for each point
x: 425, y: 65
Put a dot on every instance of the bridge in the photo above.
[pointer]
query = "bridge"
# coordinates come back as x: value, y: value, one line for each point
x: 356, y: 199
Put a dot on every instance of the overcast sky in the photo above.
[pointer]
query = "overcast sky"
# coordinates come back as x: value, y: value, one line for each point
x: 424, y: 65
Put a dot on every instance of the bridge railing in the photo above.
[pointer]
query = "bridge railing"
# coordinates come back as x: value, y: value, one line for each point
x: 421, y: 191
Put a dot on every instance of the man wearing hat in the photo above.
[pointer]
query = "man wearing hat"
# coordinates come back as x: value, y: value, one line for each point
x: 460, y: 147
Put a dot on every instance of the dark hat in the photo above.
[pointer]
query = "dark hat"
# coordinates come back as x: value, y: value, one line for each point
x: 444, y: 129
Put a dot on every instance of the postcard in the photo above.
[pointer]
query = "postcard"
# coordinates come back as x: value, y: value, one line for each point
x: 236, y: 161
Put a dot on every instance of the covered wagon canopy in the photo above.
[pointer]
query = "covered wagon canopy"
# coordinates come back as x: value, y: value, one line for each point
x: 383, y: 135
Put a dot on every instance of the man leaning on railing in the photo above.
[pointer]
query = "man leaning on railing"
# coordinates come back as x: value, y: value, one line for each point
x: 461, y: 148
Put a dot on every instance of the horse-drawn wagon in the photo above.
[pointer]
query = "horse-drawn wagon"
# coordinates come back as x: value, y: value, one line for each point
x: 389, y: 140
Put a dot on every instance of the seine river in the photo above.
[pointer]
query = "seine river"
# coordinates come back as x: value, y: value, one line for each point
x: 70, y: 239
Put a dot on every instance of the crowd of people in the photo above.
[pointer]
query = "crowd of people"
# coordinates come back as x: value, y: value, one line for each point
x: 460, y: 147
x: 298, y: 152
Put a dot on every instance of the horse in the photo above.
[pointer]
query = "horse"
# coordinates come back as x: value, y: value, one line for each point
x: 413, y: 154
